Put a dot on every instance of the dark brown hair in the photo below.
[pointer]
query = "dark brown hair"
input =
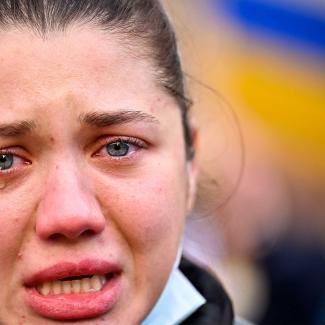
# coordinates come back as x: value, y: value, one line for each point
x: 143, y: 20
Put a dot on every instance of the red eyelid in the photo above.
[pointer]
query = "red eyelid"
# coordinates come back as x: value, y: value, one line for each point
x: 141, y: 144
x: 17, y: 152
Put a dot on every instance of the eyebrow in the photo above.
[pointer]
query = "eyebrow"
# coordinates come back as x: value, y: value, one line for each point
x: 17, y: 128
x: 106, y: 119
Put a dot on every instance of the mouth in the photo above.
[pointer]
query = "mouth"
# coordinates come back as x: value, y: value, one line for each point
x: 74, y: 291
x: 74, y: 285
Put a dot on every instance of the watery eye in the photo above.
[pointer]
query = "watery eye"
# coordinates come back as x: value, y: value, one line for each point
x: 117, y: 149
x: 6, y: 161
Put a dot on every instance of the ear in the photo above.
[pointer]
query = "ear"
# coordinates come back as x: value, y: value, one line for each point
x: 192, y: 169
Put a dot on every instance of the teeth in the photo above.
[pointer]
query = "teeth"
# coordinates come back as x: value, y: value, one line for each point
x: 56, y: 287
x: 45, y: 289
x: 102, y: 280
x: 95, y: 283
x: 76, y: 286
x: 66, y: 285
x: 85, y: 285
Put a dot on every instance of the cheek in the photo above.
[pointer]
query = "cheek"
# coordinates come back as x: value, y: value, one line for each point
x: 149, y: 212
x: 16, y: 215
x: 12, y: 229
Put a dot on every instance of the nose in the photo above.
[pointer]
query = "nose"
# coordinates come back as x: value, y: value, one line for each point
x: 68, y: 207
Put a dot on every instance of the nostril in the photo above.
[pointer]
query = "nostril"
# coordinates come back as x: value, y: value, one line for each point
x: 59, y: 236
x: 88, y: 233
x: 55, y: 237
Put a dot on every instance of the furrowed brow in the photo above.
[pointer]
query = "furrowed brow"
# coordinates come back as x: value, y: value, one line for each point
x: 106, y: 119
x: 16, y: 129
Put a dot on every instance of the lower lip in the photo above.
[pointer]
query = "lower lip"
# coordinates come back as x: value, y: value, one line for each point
x: 76, y: 306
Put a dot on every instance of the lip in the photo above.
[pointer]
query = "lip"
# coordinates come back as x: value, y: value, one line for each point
x: 74, y: 306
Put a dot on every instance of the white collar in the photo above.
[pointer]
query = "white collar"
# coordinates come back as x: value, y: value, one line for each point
x: 177, y: 302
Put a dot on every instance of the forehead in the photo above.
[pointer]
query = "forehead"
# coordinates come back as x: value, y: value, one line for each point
x: 81, y: 63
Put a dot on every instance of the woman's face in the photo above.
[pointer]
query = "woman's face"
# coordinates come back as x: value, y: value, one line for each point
x: 94, y: 184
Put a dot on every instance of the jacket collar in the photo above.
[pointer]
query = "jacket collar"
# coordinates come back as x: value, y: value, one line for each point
x: 179, y: 300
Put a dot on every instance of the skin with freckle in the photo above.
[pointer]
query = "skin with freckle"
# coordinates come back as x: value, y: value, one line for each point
x: 73, y: 200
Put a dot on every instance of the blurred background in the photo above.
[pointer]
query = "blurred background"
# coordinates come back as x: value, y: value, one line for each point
x: 259, y: 221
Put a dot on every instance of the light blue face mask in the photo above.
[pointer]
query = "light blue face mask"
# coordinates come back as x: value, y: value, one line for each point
x: 178, y: 300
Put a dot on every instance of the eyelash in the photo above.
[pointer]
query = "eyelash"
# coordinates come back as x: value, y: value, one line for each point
x: 139, y: 144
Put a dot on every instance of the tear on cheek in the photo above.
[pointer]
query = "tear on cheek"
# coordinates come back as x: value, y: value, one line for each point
x: 2, y: 185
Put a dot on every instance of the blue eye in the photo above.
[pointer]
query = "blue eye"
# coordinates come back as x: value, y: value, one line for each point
x: 118, y: 149
x: 6, y: 161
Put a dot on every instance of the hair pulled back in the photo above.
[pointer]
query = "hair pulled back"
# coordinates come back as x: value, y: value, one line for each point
x: 140, y: 20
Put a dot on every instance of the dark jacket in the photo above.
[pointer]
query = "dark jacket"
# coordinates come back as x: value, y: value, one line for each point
x: 218, y: 308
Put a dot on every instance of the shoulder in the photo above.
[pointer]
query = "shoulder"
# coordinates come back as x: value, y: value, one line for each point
x: 218, y: 308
